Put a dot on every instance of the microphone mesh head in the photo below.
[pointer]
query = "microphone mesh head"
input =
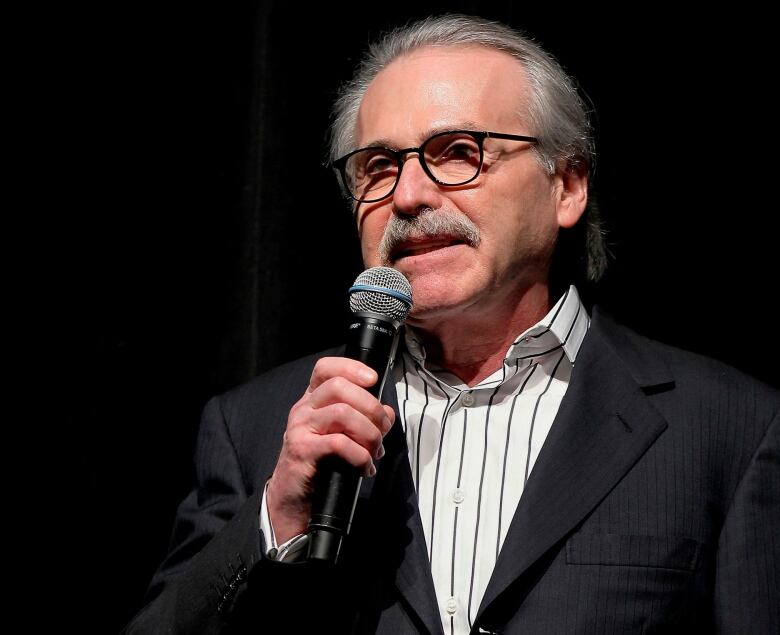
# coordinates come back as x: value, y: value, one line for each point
x: 390, y: 293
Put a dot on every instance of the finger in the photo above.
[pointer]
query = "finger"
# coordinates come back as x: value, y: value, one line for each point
x: 341, y: 390
x: 339, y: 418
x: 308, y: 449
x: 350, y: 369
x: 356, y: 455
x: 390, y: 417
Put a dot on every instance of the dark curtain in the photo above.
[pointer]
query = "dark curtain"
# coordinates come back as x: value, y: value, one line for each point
x: 218, y: 245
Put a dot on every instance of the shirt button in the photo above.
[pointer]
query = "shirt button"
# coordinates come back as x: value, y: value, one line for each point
x: 468, y: 399
x: 451, y: 606
x: 458, y: 495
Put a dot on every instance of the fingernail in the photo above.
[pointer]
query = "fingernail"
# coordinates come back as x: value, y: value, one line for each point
x: 367, y: 376
x: 372, y: 470
x: 381, y: 452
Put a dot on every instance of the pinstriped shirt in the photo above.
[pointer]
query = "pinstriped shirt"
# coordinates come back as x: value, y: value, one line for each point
x: 471, y: 450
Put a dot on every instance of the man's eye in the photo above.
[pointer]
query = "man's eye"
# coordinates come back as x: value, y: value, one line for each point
x: 461, y: 150
x: 378, y: 164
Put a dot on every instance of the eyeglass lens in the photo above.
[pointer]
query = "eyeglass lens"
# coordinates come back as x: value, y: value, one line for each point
x: 451, y: 159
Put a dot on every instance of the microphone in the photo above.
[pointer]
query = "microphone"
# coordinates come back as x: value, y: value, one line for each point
x: 380, y: 300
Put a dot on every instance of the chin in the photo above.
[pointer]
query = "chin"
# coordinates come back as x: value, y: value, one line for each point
x: 427, y: 309
x: 437, y: 290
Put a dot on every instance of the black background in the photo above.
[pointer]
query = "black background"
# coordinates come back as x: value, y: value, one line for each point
x: 207, y: 232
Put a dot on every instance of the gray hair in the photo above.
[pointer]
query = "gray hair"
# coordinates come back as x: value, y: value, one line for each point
x: 554, y: 109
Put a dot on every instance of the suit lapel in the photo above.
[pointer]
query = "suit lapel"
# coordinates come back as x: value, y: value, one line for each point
x: 604, y: 425
x: 393, y: 491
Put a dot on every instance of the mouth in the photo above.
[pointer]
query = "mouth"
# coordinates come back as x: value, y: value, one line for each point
x: 422, y: 246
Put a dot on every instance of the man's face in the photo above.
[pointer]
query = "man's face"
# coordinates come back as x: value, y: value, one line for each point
x: 514, y: 204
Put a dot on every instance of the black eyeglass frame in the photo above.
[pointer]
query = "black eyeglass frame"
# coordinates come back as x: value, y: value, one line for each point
x: 341, y: 164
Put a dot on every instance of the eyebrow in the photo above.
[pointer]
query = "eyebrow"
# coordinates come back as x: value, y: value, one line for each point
x: 462, y: 125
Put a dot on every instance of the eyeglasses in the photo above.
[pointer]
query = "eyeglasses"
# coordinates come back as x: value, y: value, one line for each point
x: 448, y: 158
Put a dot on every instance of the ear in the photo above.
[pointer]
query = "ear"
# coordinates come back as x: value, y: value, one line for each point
x: 571, y: 193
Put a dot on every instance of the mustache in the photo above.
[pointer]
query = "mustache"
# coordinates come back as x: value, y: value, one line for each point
x: 429, y: 223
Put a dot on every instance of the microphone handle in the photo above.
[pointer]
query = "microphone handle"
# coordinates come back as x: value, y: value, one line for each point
x: 371, y: 339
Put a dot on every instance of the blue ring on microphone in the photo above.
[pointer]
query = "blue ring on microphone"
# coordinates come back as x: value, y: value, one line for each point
x: 391, y: 292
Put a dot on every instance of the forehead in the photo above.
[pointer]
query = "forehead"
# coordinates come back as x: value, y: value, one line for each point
x: 438, y: 87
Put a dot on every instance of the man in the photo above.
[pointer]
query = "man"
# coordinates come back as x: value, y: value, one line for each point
x: 530, y: 471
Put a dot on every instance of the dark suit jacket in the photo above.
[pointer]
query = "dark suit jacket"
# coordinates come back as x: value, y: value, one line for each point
x: 652, y: 508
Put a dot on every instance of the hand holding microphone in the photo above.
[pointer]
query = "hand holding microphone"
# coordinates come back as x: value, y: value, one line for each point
x: 335, y: 431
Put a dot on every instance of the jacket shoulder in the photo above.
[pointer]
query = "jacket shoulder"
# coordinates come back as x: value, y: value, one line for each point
x: 700, y: 377
x: 255, y: 413
x: 291, y: 376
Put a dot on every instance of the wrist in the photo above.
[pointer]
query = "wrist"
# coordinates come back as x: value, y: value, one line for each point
x: 286, y: 521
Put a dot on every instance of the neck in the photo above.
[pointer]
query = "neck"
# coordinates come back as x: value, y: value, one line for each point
x: 473, y: 345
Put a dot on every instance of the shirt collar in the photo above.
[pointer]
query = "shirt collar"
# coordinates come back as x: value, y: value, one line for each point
x: 563, y: 327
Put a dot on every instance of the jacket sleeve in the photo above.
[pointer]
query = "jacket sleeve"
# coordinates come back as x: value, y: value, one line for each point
x: 216, y: 578
x: 214, y: 545
x: 747, y: 584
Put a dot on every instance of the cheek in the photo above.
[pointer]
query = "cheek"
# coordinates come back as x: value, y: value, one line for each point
x: 521, y: 222
x: 370, y: 254
x: 531, y: 206
x: 371, y: 227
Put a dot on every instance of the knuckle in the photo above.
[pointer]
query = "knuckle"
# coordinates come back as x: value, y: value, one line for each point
x: 320, y: 371
x: 295, y: 415
x: 379, y: 413
x: 341, y: 411
x: 376, y: 437
x: 293, y: 443
x: 337, y: 444
x: 299, y: 418
x: 339, y: 383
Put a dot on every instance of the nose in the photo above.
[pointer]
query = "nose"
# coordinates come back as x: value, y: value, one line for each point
x: 415, y: 190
